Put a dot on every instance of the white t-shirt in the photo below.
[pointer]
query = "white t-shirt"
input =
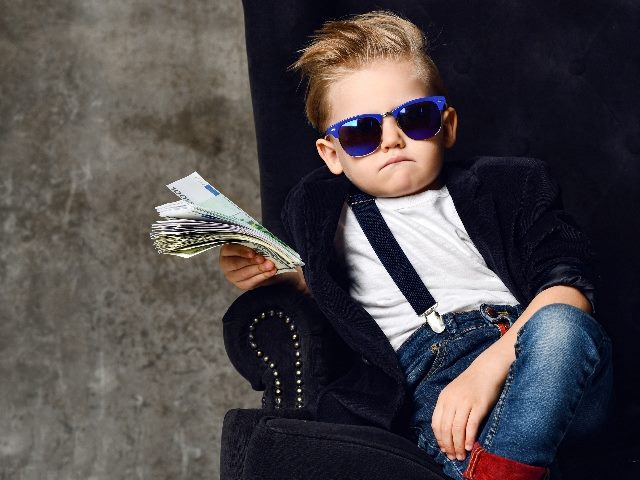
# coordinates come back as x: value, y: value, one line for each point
x: 431, y: 234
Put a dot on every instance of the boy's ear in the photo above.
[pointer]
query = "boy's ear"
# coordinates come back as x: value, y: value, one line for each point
x: 327, y: 150
x: 449, y: 126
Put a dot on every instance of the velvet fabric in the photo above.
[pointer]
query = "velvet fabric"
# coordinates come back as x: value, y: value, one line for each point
x: 321, y: 451
x: 546, y: 79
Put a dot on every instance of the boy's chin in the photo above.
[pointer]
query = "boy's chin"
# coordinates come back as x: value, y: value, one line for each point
x: 397, y: 187
x: 410, y: 188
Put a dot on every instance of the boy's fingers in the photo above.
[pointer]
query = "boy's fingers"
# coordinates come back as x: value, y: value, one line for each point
x: 459, y: 430
x: 255, y: 280
x: 246, y: 274
x: 441, y: 425
x: 229, y: 264
x: 472, y: 430
x: 446, y: 440
x: 236, y: 250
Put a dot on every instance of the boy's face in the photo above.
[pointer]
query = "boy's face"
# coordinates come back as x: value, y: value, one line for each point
x: 401, y: 165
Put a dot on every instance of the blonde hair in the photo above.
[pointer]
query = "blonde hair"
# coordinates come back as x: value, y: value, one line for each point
x: 340, y: 47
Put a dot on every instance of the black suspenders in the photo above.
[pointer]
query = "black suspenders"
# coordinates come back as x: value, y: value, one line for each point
x: 393, y: 258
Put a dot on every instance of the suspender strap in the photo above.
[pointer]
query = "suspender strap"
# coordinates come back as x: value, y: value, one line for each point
x: 393, y: 258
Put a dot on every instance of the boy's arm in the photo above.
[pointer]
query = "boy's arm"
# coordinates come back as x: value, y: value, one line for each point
x: 555, y: 257
x: 467, y: 400
x: 551, y: 247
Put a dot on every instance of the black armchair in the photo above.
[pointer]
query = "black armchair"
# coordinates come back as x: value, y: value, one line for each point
x: 553, y: 80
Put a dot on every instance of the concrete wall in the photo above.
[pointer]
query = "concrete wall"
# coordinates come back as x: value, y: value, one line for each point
x: 112, y: 364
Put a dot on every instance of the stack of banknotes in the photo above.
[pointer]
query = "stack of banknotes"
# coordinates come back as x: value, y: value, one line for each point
x: 204, y: 218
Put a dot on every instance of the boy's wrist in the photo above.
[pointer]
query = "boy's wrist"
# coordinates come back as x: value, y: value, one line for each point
x: 501, y: 354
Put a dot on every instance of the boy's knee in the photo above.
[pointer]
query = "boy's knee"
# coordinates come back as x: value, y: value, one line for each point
x: 560, y: 327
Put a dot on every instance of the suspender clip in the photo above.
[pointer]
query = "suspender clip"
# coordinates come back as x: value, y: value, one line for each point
x: 434, y: 319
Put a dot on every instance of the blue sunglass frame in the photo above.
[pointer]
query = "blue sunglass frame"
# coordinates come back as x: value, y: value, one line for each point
x: 334, y: 130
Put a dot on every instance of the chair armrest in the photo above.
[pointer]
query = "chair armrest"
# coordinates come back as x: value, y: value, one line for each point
x: 278, y: 340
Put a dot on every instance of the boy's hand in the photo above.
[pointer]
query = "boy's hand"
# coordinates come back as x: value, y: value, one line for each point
x: 243, y: 267
x: 465, y: 402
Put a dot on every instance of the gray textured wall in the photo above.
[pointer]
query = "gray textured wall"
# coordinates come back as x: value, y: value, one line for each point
x: 112, y: 364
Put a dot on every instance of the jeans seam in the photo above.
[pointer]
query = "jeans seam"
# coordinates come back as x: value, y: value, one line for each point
x: 497, y: 413
x: 438, y: 359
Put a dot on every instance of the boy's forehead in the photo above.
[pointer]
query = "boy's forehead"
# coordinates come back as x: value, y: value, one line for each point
x: 374, y: 88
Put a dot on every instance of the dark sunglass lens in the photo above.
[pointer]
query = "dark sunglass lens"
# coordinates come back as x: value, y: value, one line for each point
x: 360, y: 136
x: 420, y: 121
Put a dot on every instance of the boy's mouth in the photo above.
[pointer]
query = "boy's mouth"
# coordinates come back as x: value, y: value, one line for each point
x: 396, y: 159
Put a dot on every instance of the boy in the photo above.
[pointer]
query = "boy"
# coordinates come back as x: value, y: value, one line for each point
x: 484, y: 374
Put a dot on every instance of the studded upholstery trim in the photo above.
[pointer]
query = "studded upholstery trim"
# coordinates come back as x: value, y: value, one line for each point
x: 295, y: 339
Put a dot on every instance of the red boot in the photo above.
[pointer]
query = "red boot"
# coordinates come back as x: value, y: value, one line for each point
x: 487, y: 466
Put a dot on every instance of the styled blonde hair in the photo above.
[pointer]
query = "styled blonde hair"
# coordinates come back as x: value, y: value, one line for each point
x: 340, y: 47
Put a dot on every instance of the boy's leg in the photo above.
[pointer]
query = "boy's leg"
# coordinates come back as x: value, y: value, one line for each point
x: 558, y: 390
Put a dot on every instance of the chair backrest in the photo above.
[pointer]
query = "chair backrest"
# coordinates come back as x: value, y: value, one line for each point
x: 548, y: 79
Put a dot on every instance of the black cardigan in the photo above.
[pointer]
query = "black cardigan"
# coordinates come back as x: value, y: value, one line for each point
x: 513, y: 213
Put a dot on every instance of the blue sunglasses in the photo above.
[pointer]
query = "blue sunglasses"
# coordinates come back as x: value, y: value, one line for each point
x: 419, y: 119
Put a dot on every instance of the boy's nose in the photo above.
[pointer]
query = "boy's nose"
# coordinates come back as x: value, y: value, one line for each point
x: 392, y: 135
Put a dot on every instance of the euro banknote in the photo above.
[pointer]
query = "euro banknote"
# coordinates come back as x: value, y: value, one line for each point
x: 204, y: 218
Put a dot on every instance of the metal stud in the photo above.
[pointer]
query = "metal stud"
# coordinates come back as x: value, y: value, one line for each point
x: 287, y: 320
x: 298, y: 373
x: 263, y: 315
x: 272, y: 365
x: 297, y: 354
x: 294, y: 336
x: 279, y: 314
x: 296, y: 345
x: 253, y: 345
x: 298, y: 364
x: 292, y: 327
x: 298, y: 381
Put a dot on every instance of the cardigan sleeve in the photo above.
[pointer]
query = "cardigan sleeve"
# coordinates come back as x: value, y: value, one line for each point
x: 553, y: 248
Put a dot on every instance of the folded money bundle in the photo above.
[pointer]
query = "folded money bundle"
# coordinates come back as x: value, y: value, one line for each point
x: 204, y: 218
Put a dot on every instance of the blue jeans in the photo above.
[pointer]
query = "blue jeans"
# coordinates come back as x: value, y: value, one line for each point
x: 558, y: 392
